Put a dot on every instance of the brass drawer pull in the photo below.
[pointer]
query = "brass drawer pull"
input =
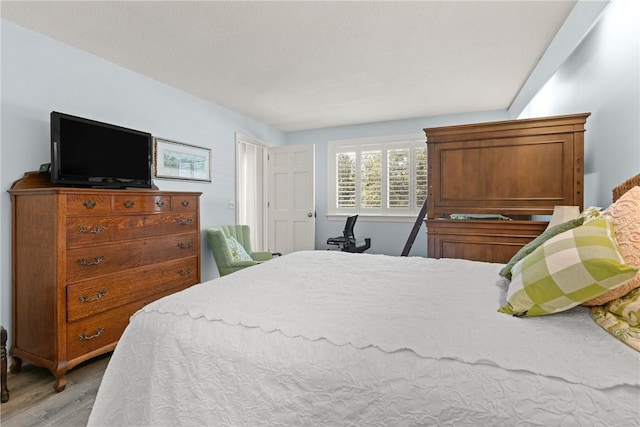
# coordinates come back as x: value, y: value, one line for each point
x: 85, y: 337
x: 182, y: 272
x: 99, y: 295
x: 89, y: 204
x: 185, y: 245
x: 159, y: 203
x: 182, y: 221
x: 96, y: 230
x: 185, y: 203
x: 85, y: 263
x: 129, y: 204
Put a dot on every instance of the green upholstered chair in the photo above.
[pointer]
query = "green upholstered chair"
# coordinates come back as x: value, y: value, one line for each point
x: 228, y: 254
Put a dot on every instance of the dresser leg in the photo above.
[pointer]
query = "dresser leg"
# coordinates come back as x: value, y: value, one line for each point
x: 16, y: 365
x: 3, y: 366
x: 61, y: 383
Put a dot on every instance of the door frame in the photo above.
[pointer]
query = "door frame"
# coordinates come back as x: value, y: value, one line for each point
x: 244, y: 138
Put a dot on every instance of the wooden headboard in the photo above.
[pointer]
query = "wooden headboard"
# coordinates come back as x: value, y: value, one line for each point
x: 515, y: 167
x: 625, y: 186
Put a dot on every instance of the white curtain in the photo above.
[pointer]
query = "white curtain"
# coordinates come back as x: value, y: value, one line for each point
x: 250, y: 208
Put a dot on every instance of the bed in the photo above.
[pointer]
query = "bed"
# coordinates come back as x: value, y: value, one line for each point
x: 334, y: 338
x: 326, y: 338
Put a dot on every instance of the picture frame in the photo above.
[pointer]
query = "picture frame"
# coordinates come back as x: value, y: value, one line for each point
x: 177, y: 160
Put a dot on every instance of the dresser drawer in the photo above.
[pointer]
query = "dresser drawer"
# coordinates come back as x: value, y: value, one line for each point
x: 98, y: 331
x: 88, y: 230
x: 89, y: 262
x: 141, y: 203
x: 88, y: 204
x: 92, y: 333
x: 93, y: 296
x: 184, y: 203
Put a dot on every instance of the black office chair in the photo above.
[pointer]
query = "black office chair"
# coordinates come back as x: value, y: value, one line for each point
x: 347, y: 242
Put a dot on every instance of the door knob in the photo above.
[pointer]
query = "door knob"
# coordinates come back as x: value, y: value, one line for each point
x: 309, y: 214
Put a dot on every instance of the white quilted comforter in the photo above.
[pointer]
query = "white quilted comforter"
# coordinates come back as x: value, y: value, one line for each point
x: 332, y: 338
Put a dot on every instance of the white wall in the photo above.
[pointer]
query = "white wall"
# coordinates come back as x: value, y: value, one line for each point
x: 386, y: 237
x: 40, y: 74
x: 602, y: 76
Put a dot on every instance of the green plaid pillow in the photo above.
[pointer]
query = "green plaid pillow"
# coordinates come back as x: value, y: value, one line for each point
x: 535, y: 243
x: 566, y: 270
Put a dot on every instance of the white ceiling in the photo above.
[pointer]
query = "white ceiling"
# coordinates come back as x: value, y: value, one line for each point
x: 313, y: 64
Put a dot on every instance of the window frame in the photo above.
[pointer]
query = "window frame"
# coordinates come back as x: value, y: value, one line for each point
x: 384, y: 144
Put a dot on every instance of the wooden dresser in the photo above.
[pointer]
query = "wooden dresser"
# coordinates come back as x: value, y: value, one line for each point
x: 516, y: 168
x: 84, y: 260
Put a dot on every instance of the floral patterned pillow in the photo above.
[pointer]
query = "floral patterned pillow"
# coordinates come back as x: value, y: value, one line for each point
x: 590, y: 213
x: 621, y: 318
x: 625, y: 214
x: 238, y: 253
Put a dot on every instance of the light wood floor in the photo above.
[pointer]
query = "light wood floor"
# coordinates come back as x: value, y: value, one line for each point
x: 33, y: 402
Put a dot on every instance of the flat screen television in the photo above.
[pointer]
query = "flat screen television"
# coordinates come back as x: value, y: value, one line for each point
x: 89, y: 153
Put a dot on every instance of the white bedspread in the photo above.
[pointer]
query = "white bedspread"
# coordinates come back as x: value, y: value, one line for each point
x: 334, y: 338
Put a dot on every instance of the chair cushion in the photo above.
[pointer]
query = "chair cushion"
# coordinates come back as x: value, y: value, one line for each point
x: 237, y: 251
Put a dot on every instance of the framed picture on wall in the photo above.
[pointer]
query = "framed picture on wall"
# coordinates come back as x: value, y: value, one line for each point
x: 177, y: 160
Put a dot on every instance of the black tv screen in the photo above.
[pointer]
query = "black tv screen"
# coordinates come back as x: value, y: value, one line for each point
x: 86, y: 152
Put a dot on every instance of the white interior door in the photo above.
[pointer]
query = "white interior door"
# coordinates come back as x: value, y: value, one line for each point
x: 291, y: 206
